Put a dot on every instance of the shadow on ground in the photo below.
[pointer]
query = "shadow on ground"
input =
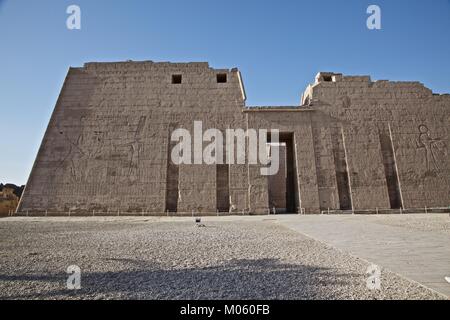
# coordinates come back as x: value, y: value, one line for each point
x: 236, y: 279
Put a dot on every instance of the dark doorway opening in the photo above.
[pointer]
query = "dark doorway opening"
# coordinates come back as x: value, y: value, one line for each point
x: 283, y: 186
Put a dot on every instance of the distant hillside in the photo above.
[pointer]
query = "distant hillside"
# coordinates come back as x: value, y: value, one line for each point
x: 9, y: 197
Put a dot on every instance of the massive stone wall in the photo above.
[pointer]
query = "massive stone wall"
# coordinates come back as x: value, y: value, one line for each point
x: 352, y: 144
x: 396, y: 138
x: 107, y: 144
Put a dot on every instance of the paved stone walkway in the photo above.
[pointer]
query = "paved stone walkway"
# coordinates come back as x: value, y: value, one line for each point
x: 422, y: 256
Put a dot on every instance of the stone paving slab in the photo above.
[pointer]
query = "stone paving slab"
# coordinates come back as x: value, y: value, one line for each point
x: 422, y: 256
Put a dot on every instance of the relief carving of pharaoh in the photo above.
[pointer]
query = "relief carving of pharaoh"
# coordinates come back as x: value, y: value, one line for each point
x: 434, y: 149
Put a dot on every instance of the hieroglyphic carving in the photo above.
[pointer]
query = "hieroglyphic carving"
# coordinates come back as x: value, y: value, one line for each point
x: 136, y: 147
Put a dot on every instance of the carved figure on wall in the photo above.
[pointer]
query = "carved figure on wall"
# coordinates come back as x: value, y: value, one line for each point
x: 84, y: 150
x: 136, y: 148
x: 89, y: 149
x: 434, y: 149
x: 346, y: 102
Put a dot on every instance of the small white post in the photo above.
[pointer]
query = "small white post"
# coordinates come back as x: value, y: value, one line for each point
x: 328, y: 210
x: 426, y: 211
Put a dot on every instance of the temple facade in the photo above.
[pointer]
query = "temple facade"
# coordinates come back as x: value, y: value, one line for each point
x: 352, y: 144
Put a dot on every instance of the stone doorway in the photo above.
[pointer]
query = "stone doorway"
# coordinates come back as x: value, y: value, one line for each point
x: 283, y: 187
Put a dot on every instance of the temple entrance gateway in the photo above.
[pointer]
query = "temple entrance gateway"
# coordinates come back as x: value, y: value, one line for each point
x: 283, y: 187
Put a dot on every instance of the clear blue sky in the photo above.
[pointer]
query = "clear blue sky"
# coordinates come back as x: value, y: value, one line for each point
x: 279, y: 46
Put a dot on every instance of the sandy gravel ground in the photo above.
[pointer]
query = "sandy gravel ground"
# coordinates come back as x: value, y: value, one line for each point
x: 129, y: 258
